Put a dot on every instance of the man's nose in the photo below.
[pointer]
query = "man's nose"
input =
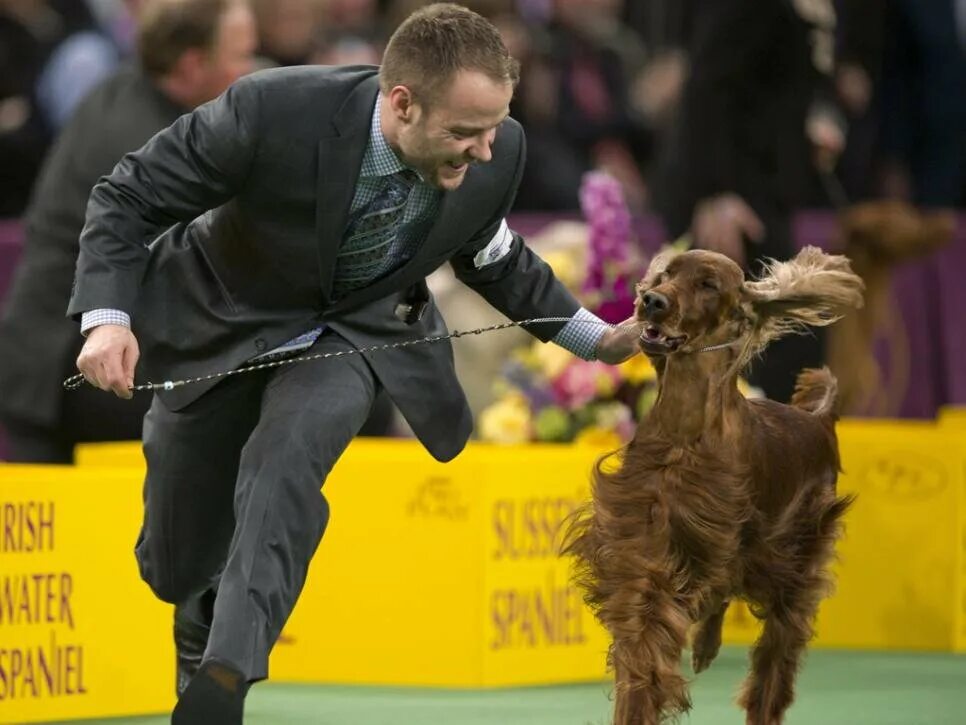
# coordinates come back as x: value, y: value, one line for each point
x: 655, y: 305
x: 481, y: 150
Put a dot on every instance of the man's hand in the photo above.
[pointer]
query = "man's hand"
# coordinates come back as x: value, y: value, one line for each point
x: 620, y: 343
x: 108, y: 358
x: 721, y: 222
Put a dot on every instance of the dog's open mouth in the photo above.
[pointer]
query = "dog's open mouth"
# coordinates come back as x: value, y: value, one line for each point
x: 655, y: 342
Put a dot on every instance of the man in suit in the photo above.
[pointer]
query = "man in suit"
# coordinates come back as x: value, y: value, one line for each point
x: 740, y: 157
x: 302, y: 210
x: 189, y: 51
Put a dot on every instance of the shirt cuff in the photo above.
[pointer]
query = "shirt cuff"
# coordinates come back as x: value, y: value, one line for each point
x: 93, y: 318
x: 582, y: 334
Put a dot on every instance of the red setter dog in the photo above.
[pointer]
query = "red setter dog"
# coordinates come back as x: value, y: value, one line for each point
x: 717, y: 496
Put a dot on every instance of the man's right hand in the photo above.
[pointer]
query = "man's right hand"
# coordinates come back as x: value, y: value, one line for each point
x: 108, y: 358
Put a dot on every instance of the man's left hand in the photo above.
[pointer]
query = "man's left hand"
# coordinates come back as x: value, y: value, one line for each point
x: 620, y: 343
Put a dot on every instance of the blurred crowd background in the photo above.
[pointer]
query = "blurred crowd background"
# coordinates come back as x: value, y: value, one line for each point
x: 604, y: 82
x: 719, y: 119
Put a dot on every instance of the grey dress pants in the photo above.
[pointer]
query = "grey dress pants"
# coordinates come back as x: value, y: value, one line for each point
x: 233, y: 493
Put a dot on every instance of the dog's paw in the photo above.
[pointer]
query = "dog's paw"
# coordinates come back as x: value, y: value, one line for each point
x: 701, y: 658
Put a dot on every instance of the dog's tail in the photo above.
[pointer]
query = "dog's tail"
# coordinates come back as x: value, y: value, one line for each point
x: 816, y: 392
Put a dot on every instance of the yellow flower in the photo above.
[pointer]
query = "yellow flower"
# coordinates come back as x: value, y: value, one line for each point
x: 637, y: 370
x: 565, y: 267
x: 551, y: 359
x: 598, y: 437
x: 507, y: 420
x: 606, y: 383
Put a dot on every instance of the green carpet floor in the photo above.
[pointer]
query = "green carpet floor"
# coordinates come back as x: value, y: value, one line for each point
x: 835, y: 688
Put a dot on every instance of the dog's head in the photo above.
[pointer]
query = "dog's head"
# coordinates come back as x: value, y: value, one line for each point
x: 692, y: 300
x: 889, y: 232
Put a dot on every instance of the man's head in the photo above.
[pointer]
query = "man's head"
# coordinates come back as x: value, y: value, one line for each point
x: 446, y: 80
x: 195, y: 49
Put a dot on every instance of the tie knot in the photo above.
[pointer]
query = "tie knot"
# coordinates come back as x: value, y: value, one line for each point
x: 408, y: 175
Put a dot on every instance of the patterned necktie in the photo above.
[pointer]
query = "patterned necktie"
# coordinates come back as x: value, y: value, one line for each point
x: 372, y: 245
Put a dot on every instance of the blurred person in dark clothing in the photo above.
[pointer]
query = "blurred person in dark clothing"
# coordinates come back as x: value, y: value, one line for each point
x: 574, y: 101
x: 29, y: 31
x: 858, y: 76
x: 288, y: 29
x: 924, y: 102
x: 755, y: 118
x: 189, y: 52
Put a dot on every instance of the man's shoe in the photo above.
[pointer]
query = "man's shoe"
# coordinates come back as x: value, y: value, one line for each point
x: 215, y: 696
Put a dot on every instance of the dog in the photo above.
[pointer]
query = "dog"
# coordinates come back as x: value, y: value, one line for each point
x: 878, y: 237
x: 717, y: 497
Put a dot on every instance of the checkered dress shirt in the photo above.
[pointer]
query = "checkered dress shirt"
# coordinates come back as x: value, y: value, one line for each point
x: 581, y: 335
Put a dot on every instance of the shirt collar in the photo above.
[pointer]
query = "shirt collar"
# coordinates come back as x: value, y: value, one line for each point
x: 379, y: 158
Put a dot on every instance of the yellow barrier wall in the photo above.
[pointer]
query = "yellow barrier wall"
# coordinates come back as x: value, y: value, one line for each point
x: 80, y: 635
x: 446, y: 575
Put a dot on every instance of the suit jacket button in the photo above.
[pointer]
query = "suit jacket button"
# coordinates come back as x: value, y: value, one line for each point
x: 260, y: 344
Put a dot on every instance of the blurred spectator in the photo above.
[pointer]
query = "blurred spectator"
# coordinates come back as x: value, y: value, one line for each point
x: 189, y: 52
x: 924, y: 101
x: 85, y: 56
x: 575, y: 103
x: 29, y: 31
x: 739, y: 160
x: 858, y: 75
x: 288, y: 29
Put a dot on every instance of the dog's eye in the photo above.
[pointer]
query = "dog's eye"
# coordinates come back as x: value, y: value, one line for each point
x: 709, y: 284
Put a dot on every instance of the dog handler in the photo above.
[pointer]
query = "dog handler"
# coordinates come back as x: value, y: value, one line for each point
x: 301, y: 211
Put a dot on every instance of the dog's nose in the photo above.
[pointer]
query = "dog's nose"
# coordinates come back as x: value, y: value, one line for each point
x: 655, y: 304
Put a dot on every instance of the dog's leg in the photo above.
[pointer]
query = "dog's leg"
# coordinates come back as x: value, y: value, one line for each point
x: 809, y: 539
x: 650, y: 685
x: 632, y: 701
x: 770, y: 688
x: 707, y: 639
x: 644, y: 698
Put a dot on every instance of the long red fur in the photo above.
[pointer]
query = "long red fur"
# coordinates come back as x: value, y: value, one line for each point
x: 716, y: 498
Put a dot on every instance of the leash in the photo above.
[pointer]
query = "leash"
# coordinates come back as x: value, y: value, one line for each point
x: 76, y: 381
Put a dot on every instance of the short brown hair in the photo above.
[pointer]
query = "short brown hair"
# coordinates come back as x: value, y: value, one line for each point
x: 435, y: 42
x: 168, y: 28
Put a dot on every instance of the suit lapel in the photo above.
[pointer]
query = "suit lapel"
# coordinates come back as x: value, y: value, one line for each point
x: 339, y: 161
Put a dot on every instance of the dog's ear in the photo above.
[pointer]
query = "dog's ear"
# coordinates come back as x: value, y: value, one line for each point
x: 814, y: 289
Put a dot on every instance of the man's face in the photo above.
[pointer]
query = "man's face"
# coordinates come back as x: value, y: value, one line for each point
x: 233, y: 53
x: 442, y: 138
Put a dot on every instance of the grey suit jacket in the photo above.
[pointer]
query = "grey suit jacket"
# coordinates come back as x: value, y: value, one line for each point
x: 220, y: 237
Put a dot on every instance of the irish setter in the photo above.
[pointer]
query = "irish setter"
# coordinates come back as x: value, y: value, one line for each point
x: 717, y: 497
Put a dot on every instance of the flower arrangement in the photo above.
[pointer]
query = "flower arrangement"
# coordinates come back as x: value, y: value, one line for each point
x: 548, y: 395
x: 545, y: 394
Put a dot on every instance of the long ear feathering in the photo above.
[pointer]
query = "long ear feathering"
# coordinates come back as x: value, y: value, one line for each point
x: 813, y: 289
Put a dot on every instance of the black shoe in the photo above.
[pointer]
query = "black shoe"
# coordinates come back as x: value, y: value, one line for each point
x: 192, y: 624
x: 215, y: 696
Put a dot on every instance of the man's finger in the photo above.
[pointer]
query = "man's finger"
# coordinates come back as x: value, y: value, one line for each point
x: 129, y: 361
x: 113, y: 376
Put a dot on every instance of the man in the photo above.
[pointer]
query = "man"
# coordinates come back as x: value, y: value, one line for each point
x: 304, y: 207
x: 189, y: 52
x: 740, y: 157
